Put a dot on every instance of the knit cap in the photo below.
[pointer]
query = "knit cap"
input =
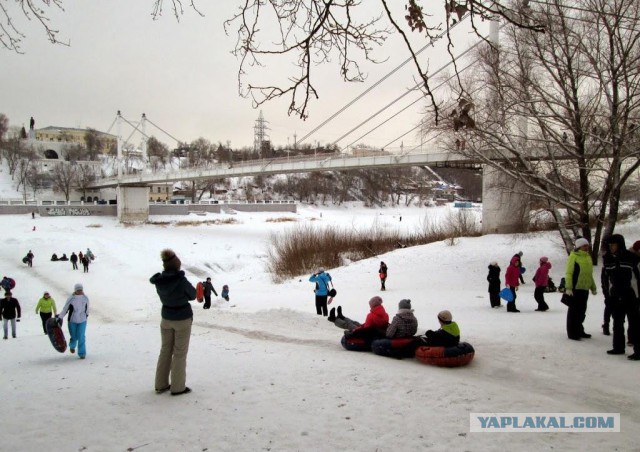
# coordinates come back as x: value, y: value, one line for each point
x: 77, y: 287
x: 445, y: 316
x: 544, y: 259
x: 169, y: 260
x: 581, y: 242
x: 375, y: 301
x: 404, y: 304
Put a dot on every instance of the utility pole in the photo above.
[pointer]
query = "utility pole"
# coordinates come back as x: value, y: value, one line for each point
x: 260, y: 134
x: 119, y: 142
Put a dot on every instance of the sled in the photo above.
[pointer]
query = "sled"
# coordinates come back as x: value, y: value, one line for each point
x: 523, y: 270
x: 8, y: 283
x: 455, y: 356
x: 200, y: 292
x: 25, y: 260
x: 506, y: 295
x: 56, y: 335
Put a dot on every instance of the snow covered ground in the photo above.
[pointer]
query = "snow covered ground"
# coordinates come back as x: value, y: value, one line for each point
x: 267, y: 373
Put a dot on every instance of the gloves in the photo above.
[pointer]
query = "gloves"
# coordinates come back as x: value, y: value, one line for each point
x: 59, y: 321
x: 594, y: 291
x: 569, y: 292
x: 18, y: 319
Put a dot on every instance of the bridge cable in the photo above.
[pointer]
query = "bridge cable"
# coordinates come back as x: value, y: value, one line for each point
x: 365, y: 92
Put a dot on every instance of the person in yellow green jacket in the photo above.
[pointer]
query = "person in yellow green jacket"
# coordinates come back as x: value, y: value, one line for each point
x: 447, y: 336
x: 578, y: 282
x: 46, y: 307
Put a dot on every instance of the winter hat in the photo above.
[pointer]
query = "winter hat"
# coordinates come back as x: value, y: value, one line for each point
x: 636, y: 246
x: 445, y: 316
x: 520, y: 253
x: 77, y: 287
x: 544, y: 259
x: 404, y: 304
x: 375, y: 301
x: 320, y: 270
x: 581, y: 242
x: 494, y: 263
x: 169, y: 260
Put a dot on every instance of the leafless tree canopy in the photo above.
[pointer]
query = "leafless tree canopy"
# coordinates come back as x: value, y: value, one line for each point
x: 307, y: 33
x: 558, y: 111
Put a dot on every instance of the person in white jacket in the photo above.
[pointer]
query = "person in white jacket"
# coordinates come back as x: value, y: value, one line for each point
x: 77, y: 306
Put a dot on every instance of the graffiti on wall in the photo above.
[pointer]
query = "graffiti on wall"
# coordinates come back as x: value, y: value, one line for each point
x: 72, y: 211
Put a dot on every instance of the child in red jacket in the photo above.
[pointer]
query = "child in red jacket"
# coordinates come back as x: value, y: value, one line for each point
x: 375, y: 324
x: 541, y: 279
x: 512, y: 281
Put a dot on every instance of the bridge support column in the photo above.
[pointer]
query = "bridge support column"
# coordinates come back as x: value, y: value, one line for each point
x: 133, y: 204
x: 505, y: 207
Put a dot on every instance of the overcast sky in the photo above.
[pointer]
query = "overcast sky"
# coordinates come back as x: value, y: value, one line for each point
x: 183, y: 76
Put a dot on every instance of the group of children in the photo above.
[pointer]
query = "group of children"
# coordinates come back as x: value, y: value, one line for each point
x: 403, y: 325
x: 513, y: 279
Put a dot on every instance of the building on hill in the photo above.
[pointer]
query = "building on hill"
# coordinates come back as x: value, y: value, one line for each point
x: 70, y: 135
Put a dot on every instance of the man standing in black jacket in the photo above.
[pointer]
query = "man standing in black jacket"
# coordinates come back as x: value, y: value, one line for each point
x: 9, y: 307
x: 621, y: 287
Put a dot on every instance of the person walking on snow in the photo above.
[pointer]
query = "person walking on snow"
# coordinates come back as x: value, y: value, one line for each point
x: 175, y: 292
x: 46, y: 307
x: 519, y: 255
x: 578, y: 281
x: 512, y: 281
x: 74, y: 260
x: 77, y: 306
x: 382, y: 273
x: 30, y: 257
x: 85, y: 263
x: 494, y: 284
x: 322, y: 280
x: 541, y: 280
x: 208, y: 288
x: 9, y: 307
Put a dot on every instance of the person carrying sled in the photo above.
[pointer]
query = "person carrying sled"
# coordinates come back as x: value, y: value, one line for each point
x: 494, y: 284
x: 622, y: 287
x: 46, y: 307
x: 541, y: 280
x: 512, y: 281
x: 374, y: 327
x: 322, y: 280
x: 447, y: 336
x: 382, y: 273
x: 175, y: 292
x: 404, y: 323
x: 578, y: 281
x: 9, y: 310
x: 74, y: 260
x: 208, y: 288
x: 77, y: 306
x: 30, y: 257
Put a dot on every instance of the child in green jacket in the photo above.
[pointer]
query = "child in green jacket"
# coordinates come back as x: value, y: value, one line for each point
x: 46, y: 307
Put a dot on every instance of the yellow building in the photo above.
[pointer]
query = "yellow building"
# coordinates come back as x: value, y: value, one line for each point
x: 160, y: 192
x: 72, y: 135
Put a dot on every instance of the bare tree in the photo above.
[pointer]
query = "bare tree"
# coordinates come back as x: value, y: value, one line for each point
x: 555, y: 111
x: 93, y: 143
x: 64, y: 176
x: 85, y: 176
x: 4, y: 126
x: 74, y: 152
x: 13, y: 150
x: 158, y: 153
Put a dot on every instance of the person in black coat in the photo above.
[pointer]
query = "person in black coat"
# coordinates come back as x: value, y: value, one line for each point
x: 621, y: 287
x: 175, y: 292
x: 208, y: 288
x: 9, y: 307
x: 74, y: 260
x: 494, y: 284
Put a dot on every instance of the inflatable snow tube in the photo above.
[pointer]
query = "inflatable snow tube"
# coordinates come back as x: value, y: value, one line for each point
x: 356, y: 344
x: 404, y: 347
x: 455, y: 356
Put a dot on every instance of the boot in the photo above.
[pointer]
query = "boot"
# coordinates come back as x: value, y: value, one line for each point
x: 340, y: 316
x: 634, y: 357
x: 605, y: 329
x: 613, y: 351
x: 332, y: 315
